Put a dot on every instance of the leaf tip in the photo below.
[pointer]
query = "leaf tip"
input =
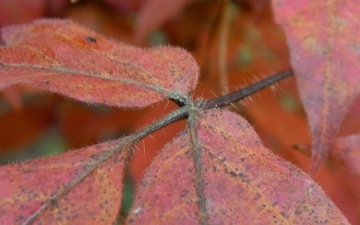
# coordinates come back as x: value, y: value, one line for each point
x: 319, y: 155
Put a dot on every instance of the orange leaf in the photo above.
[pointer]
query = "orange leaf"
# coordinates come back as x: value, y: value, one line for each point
x: 325, y: 57
x: 63, y: 57
x: 58, y: 189
x: 237, y: 172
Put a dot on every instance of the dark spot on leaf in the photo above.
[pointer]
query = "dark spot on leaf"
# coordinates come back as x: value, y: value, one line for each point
x: 283, y: 214
x: 184, y: 193
x: 91, y: 39
x: 47, y: 81
x: 232, y: 173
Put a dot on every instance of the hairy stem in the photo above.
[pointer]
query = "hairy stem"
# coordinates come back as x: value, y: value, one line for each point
x: 245, y: 92
x: 222, y: 101
x: 188, y: 110
x: 119, y: 145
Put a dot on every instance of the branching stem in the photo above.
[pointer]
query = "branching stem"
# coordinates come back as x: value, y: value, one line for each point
x: 183, y: 112
x: 189, y: 111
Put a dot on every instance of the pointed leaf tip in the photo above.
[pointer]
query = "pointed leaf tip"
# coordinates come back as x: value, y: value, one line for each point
x: 325, y: 61
x: 63, y: 57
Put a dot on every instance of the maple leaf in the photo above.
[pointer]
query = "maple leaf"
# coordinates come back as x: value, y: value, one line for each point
x: 210, y: 173
x: 327, y: 84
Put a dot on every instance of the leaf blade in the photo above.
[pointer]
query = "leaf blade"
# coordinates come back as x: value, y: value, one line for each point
x: 63, y: 57
x: 238, y: 171
x: 59, y: 188
x: 327, y: 85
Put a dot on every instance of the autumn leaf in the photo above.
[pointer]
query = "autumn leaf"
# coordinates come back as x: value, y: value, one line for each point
x: 325, y: 57
x: 237, y: 171
x: 58, y: 189
x: 215, y: 171
x: 63, y: 57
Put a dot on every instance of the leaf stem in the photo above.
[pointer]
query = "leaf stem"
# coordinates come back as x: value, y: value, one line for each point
x: 222, y: 101
x: 245, y: 92
x: 170, y: 118
x: 119, y: 144
x: 186, y: 108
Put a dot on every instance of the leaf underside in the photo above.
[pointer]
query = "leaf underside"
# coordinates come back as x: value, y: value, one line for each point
x: 325, y: 61
x: 244, y: 182
x: 59, y: 189
x: 63, y: 57
x: 241, y: 181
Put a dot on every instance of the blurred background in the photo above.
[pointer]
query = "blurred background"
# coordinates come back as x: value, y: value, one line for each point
x: 235, y: 44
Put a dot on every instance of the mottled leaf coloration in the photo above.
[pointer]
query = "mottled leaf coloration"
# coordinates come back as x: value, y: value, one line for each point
x: 78, y: 186
x: 325, y: 56
x: 238, y: 171
x: 63, y: 57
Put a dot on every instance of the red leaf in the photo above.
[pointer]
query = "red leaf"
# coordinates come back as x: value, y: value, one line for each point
x: 237, y: 172
x: 58, y: 189
x: 63, y: 57
x: 325, y: 57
